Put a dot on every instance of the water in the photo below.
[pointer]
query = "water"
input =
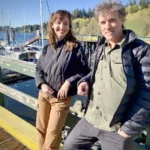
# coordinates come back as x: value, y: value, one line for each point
x: 21, y: 37
x: 19, y: 109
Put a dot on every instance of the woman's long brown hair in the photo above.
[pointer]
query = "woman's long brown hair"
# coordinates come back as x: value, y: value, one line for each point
x: 69, y: 38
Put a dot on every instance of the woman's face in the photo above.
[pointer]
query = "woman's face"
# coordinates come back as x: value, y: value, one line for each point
x: 61, y: 27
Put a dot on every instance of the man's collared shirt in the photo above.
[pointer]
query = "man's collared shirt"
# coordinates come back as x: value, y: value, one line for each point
x: 108, y: 88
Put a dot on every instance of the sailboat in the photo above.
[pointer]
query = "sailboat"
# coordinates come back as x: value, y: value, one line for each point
x: 27, y: 45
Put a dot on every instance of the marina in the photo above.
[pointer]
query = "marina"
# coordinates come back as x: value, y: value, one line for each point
x: 18, y: 76
x: 21, y: 101
x: 19, y: 52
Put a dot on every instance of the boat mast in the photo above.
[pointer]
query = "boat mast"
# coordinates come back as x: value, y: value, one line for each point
x: 3, y: 24
x: 41, y: 18
x: 9, y: 28
x: 24, y: 28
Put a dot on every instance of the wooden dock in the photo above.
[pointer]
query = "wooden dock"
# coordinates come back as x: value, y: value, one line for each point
x: 24, y: 132
x: 7, y: 142
x: 20, y: 135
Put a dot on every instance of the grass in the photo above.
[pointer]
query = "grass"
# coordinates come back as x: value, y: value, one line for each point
x: 139, y: 22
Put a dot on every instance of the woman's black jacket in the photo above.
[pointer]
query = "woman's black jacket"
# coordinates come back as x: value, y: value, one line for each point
x: 54, y: 67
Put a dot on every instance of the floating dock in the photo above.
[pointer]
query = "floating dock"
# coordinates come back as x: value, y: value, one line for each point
x: 12, y: 77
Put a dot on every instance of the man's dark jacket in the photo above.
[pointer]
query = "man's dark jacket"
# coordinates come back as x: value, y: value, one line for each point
x: 134, y: 109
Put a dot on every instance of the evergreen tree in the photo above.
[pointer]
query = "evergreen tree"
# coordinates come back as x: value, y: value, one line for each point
x: 144, y: 4
x: 84, y: 13
x: 90, y: 13
x: 133, y: 7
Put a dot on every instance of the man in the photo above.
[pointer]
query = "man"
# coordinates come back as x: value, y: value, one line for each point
x: 119, y: 86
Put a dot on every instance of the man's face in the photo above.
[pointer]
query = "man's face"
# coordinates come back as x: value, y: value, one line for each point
x: 111, y: 26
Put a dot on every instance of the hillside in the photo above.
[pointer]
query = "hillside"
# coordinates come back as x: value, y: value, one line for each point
x: 138, y: 22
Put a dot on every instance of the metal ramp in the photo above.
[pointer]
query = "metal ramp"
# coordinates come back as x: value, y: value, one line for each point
x: 30, y: 41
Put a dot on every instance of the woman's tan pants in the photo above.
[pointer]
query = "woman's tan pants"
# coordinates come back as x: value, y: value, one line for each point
x: 51, y: 116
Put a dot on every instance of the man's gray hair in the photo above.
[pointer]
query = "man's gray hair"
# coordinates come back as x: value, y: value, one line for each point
x: 110, y: 5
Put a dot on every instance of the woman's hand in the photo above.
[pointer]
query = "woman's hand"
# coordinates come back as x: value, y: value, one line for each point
x: 62, y: 93
x: 46, y: 89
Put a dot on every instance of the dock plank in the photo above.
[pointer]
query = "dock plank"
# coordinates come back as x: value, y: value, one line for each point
x: 3, y: 135
x: 8, y: 142
x: 11, y: 144
x: 26, y: 149
x: 19, y: 129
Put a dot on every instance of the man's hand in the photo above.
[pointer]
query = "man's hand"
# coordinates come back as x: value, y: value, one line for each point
x: 63, y: 92
x: 83, y: 89
x: 123, y: 134
x: 46, y: 89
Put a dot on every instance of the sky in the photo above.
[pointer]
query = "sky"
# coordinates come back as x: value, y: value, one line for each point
x: 18, y: 13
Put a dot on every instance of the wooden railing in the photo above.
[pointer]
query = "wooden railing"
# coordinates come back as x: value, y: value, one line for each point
x: 94, y: 38
x: 28, y: 69
x: 22, y: 67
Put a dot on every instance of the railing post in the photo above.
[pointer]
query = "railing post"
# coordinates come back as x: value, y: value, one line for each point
x: 1, y: 94
x: 84, y: 45
x: 147, y: 143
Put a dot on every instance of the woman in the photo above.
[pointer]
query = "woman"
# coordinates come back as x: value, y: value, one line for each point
x: 61, y: 65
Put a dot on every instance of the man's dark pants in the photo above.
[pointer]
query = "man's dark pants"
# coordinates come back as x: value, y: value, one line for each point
x: 84, y: 135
